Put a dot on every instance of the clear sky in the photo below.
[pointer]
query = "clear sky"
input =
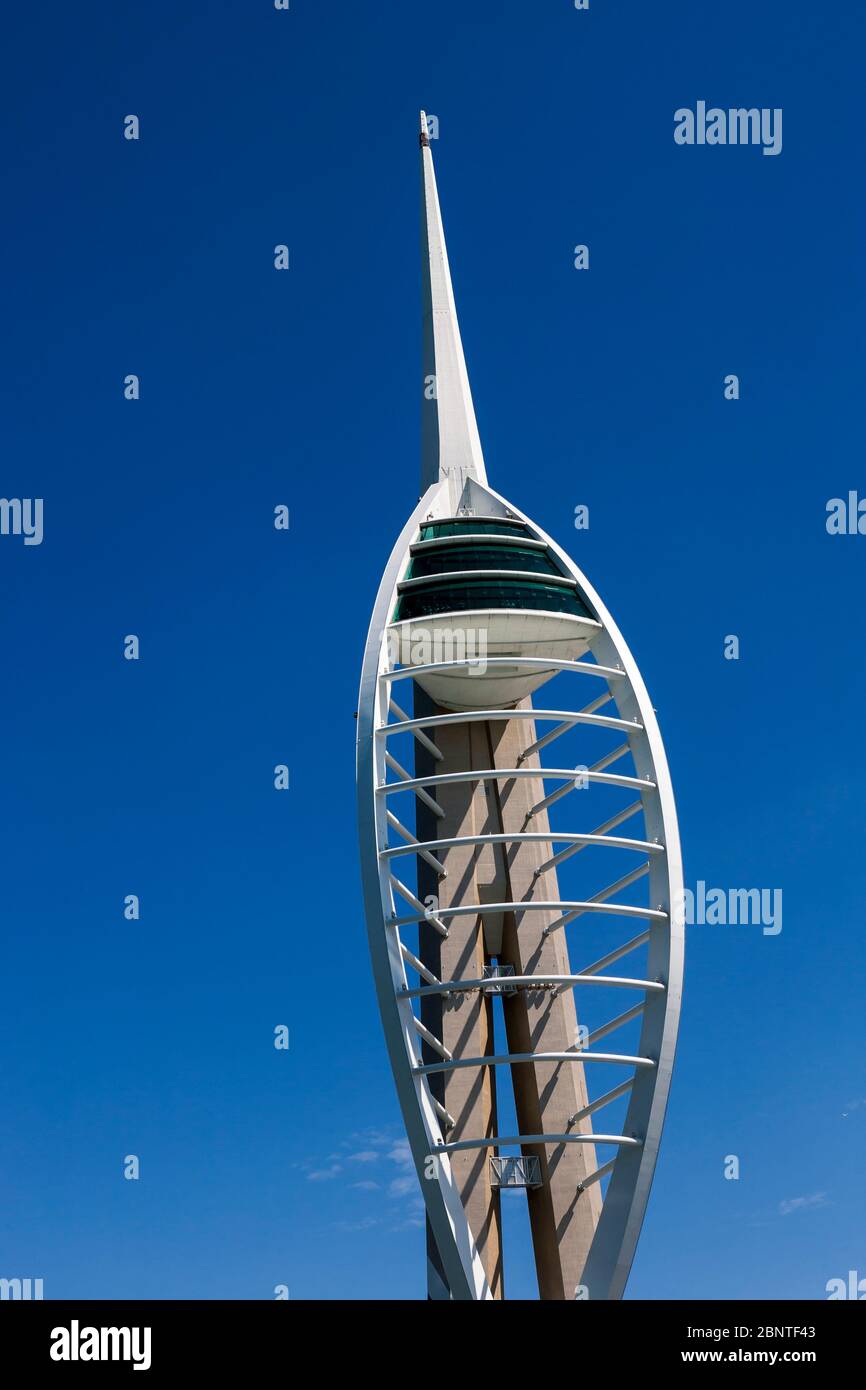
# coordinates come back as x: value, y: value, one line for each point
x: 154, y: 1037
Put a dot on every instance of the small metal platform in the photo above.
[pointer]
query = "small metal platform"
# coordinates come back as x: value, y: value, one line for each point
x: 515, y: 1170
x: 498, y: 977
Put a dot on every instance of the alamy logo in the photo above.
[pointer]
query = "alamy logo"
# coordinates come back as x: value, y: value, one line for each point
x: 418, y: 646
x: 738, y: 126
x: 22, y: 516
x: 720, y: 907
x: 21, y: 1288
x: 854, y: 1287
x: 76, y: 1343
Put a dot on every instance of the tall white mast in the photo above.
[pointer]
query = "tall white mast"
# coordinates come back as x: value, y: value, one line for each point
x: 450, y: 444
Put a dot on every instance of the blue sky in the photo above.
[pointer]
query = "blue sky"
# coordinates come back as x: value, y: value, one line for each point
x: 259, y: 388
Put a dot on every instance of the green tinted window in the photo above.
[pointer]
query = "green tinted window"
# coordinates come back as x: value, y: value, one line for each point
x: 480, y: 557
x: 471, y: 525
x: 432, y: 598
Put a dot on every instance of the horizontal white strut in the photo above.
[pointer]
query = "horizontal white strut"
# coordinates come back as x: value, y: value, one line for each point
x: 623, y: 1140
x: 415, y: 844
x: 602, y: 829
x: 583, y: 716
x: 562, y: 728
x: 418, y: 733
x: 602, y: 896
x: 426, y: 916
x: 535, y: 663
x: 531, y: 981
x: 591, y: 905
x: 505, y: 774
x: 599, y: 830
x: 612, y: 757
x: 419, y: 791
x: 537, y: 836
x: 507, y: 1058
x: 553, y: 797
x: 602, y: 1101
x: 484, y: 716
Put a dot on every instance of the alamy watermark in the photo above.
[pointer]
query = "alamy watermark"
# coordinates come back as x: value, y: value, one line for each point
x: 77, y: 1343
x: 720, y: 907
x: 846, y: 516
x: 24, y: 1289
x: 737, y: 126
x: 22, y: 516
x: 851, y: 1288
x: 419, y: 646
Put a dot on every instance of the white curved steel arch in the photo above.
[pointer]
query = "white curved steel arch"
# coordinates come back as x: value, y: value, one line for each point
x: 463, y: 1268
x: 612, y: 1250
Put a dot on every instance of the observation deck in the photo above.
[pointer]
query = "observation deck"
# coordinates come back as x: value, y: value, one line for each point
x: 481, y: 586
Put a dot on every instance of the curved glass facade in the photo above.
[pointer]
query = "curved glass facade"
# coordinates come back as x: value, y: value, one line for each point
x: 472, y: 594
x: 471, y: 556
x: 471, y: 525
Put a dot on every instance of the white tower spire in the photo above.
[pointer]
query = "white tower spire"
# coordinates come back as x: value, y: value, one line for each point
x: 450, y: 444
x: 480, y: 846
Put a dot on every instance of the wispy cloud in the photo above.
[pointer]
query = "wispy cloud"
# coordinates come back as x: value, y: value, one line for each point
x: 406, y: 1182
x: 413, y: 1216
x: 396, y: 1178
x: 817, y: 1199
x: 365, y: 1223
x: 369, y: 1138
x: 400, y: 1187
x: 324, y: 1174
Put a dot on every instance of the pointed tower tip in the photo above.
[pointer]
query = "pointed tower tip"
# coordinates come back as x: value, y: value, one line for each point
x: 450, y: 446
